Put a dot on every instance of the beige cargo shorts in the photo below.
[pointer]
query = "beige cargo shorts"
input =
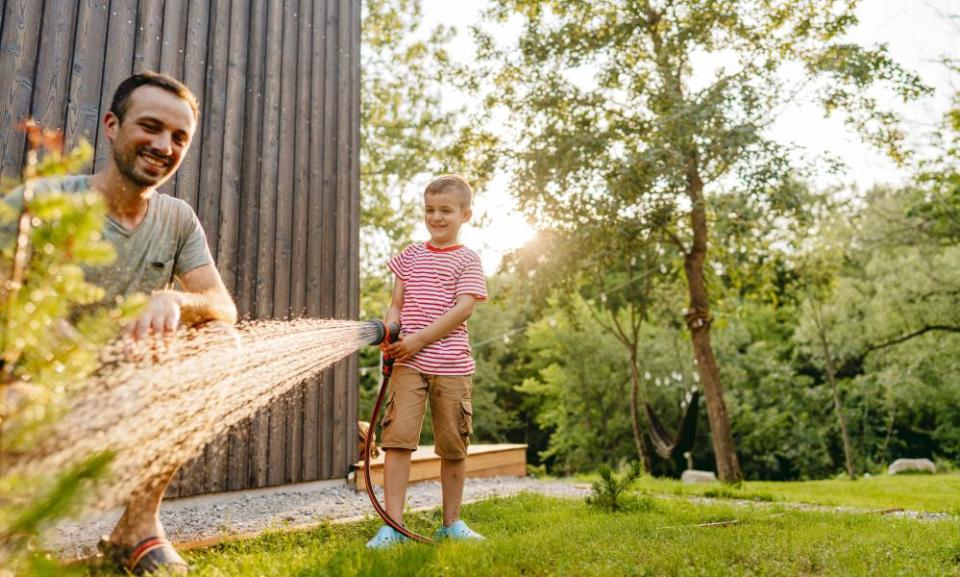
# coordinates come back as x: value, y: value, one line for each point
x: 450, y: 405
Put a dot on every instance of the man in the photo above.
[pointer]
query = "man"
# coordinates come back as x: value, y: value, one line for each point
x: 158, y: 238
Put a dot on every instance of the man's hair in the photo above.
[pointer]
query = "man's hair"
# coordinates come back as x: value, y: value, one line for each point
x: 451, y: 183
x: 121, y: 97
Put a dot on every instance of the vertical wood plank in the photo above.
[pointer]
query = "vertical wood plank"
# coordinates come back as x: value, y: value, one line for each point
x: 53, y: 63
x: 269, y: 162
x: 313, y: 431
x: 328, y: 242
x: 194, y: 76
x: 249, y: 219
x: 285, y: 162
x: 247, y: 249
x: 174, y: 37
x: 83, y: 103
x: 301, y: 201
x: 233, y: 136
x: 343, y: 240
x: 213, y: 119
x: 294, y: 440
x: 18, y: 65
x: 268, y: 219
x: 301, y: 196
x: 354, y: 296
x: 284, y: 240
x: 118, y: 63
x: 149, y: 41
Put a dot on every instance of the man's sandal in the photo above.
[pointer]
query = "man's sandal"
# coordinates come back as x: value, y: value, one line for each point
x: 151, y: 555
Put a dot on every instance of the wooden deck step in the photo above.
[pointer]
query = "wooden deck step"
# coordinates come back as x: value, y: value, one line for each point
x: 482, y: 461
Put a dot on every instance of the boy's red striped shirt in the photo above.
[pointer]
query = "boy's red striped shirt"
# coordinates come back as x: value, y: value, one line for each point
x: 432, y: 279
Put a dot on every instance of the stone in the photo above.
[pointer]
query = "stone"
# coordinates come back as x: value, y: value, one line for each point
x: 904, y: 465
x: 691, y: 476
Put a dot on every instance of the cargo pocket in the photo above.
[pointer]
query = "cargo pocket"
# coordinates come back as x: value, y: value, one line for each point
x: 466, y: 418
x: 387, y: 412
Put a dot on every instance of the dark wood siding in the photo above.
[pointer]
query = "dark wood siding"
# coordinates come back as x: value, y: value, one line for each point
x: 272, y: 173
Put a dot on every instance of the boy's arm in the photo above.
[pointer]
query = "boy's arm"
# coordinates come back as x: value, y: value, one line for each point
x: 453, y: 318
x: 396, y: 302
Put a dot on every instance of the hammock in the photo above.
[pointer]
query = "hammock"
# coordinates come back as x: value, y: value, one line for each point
x: 664, y: 443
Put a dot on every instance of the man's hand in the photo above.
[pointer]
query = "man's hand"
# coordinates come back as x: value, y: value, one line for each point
x: 162, y: 316
x: 405, y: 348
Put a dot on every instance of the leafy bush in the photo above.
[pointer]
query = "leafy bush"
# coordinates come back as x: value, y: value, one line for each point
x: 49, y: 339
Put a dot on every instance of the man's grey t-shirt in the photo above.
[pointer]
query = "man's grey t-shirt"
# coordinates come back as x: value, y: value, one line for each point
x: 168, y: 242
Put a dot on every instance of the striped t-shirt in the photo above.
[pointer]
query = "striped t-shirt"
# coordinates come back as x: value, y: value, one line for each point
x: 432, y: 279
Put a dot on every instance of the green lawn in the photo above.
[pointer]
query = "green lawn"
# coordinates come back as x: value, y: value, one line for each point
x: 932, y: 493
x: 536, y: 535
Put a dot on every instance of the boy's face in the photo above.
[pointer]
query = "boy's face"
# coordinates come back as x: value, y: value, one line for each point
x: 444, y: 216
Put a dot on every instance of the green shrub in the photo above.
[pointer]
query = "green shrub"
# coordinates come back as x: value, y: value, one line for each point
x: 49, y: 347
x: 609, y: 492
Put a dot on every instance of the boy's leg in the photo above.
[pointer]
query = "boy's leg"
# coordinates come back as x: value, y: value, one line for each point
x: 402, y: 422
x: 396, y: 474
x: 452, y: 410
x: 452, y: 472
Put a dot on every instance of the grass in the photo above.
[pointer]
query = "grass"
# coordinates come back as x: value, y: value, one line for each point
x: 930, y: 493
x: 537, y: 535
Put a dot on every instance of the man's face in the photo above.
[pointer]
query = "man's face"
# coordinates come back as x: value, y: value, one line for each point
x: 151, y: 141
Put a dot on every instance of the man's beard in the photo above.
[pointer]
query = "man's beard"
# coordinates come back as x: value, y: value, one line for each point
x: 126, y: 163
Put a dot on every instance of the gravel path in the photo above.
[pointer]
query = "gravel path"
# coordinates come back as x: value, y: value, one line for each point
x: 202, y: 518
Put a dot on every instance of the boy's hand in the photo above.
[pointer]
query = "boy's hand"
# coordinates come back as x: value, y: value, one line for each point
x: 405, y: 347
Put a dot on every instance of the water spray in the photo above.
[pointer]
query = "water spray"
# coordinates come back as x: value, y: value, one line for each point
x: 386, y: 333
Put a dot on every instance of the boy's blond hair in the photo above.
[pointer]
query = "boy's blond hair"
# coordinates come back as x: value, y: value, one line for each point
x: 451, y: 183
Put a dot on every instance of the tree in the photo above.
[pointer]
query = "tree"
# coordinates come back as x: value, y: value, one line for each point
x: 617, y: 274
x: 618, y: 104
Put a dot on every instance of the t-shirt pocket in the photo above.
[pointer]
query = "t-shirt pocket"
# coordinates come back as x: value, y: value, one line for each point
x: 158, y: 275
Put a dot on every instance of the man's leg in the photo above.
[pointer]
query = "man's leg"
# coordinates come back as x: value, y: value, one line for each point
x: 452, y: 473
x: 396, y: 473
x: 141, y: 518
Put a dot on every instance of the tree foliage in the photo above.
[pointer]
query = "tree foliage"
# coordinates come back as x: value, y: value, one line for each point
x: 635, y: 116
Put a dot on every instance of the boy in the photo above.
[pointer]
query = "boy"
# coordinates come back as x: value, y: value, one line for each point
x: 437, y: 284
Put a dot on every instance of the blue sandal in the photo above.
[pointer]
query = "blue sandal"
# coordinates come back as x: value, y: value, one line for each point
x: 387, y: 537
x: 458, y: 531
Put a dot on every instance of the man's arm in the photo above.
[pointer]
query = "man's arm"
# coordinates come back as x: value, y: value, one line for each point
x: 203, y: 298
x: 411, y: 344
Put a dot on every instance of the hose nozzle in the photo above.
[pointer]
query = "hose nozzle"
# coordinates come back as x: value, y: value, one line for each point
x: 386, y: 333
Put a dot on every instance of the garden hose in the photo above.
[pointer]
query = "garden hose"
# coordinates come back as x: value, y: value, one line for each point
x: 387, y: 333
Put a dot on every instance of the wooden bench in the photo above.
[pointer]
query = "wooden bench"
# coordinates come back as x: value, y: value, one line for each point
x: 482, y: 461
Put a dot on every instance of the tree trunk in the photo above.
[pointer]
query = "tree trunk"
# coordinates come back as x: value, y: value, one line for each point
x: 837, y: 406
x: 642, y: 452
x: 698, y: 320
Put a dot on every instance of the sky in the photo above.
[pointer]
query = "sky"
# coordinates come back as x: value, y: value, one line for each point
x: 917, y: 33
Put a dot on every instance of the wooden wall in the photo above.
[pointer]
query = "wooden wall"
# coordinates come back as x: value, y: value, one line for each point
x: 273, y: 174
